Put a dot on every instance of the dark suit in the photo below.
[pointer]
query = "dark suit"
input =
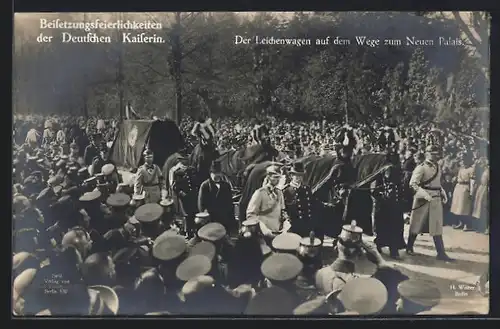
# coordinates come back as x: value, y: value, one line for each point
x: 302, y: 208
x: 406, y: 193
x: 218, y: 201
x: 90, y: 153
x: 185, y: 186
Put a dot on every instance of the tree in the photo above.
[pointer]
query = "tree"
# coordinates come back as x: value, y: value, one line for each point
x: 475, y: 26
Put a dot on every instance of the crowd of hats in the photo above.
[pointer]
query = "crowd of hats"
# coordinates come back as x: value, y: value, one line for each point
x: 193, y: 264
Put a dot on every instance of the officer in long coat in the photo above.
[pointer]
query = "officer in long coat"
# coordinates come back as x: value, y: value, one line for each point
x: 149, y: 179
x: 428, y: 202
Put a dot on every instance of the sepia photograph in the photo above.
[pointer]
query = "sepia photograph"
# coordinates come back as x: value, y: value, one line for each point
x: 246, y: 164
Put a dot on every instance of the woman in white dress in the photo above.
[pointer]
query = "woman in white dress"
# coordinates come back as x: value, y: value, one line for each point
x: 480, y: 215
x: 461, y: 204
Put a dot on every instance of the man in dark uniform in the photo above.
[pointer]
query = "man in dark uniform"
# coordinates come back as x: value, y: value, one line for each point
x: 118, y: 203
x: 215, y: 197
x: 91, y: 151
x: 93, y: 207
x: 186, y: 187
x: 387, y: 210
x: 300, y: 202
x: 409, y: 165
x: 149, y: 217
x: 101, y: 160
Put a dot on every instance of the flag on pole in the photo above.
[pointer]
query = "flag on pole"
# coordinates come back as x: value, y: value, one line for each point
x: 130, y: 114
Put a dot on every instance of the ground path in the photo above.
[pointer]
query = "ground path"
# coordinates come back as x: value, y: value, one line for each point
x: 455, y: 280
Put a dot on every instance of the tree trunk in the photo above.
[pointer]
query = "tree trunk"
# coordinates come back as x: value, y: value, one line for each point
x: 177, y: 66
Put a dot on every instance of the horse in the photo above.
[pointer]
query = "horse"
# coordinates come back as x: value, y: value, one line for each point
x: 235, y: 163
x: 202, y: 157
x: 366, y: 169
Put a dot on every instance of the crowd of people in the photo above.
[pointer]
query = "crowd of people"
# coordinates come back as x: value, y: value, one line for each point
x: 86, y: 243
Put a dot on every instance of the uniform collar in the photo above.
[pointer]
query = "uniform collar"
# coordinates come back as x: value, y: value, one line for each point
x: 271, y: 188
x: 429, y: 162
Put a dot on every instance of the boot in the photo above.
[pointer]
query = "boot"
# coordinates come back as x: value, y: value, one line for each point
x: 394, y: 253
x: 441, y: 254
x: 411, y: 242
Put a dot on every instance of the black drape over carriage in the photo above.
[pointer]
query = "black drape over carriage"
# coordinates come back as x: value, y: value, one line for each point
x: 163, y: 137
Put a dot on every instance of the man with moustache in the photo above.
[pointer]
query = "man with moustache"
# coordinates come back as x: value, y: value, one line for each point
x: 428, y: 202
x: 267, y: 205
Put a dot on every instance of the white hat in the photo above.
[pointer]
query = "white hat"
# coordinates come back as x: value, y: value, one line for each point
x: 107, y: 169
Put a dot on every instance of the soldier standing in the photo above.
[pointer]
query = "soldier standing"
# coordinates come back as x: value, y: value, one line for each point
x: 149, y: 179
x: 300, y: 202
x: 428, y: 202
x: 409, y: 165
x: 91, y: 151
x: 387, y: 209
x: 185, y: 185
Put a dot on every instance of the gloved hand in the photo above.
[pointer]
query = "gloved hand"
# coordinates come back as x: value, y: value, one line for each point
x: 423, y: 194
x: 164, y: 194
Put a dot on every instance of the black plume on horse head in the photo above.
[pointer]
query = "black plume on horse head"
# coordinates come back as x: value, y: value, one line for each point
x: 386, y: 137
x: 345, y: 137
x: 435, y: 137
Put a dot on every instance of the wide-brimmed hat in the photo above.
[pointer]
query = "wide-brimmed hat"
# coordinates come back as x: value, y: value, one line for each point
x: 90, y: 196
x: 364, y: 296
x: 212, y: 232
x: 148, y: 212
x: 420, y: 292
x: 118, y: 200
x: 192, y: 267
x: 108, y: 169
x: 169, y: 247
x: 281, y: 267
x: 108, y: 297
x: 204, y: 248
